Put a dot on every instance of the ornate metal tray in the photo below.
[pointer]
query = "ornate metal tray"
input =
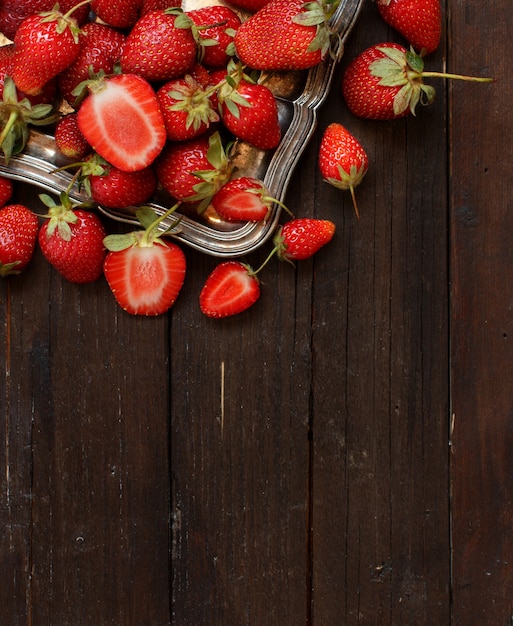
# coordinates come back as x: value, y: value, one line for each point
x: 299, y: 95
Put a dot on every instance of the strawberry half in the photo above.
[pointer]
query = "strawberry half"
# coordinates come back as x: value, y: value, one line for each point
x: 145, y: 272
x: 230, y: 288
x: 243, y: 199
x: 122, y: 120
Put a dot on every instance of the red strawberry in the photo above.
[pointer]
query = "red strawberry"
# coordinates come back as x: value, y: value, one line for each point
x: 186, y: 107
x: 45, y: 45
x: 192, y: 171
x: 250, y: 112
x: 286, y: 35
x: 18, y: 235
x: 342, y: 159
x: 418, y: 21
x: 6, y: 189
x: 111, y: 187
x: 72, y: 240
x: 69, y: 139
x: 215, y: 28
x: 160, y: 46
x: 100, y: 49
x: 117, y: 13
x: 243, y: 199
x: 250, y: 5
x: 48, y: 94
x: 121, y: 120
x: 385, y: 82
x: 230, y: 288
x: 145, y: 272
x: 300, y: 238
x: 156, y: 5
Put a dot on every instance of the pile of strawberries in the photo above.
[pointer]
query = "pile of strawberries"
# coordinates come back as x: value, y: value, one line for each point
x: 157, y: 96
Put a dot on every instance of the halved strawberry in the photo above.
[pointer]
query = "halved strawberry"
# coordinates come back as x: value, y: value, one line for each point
x: 144, y: 271
x: 122, y: 120
x: 243, y: 199
x: 231, y: 287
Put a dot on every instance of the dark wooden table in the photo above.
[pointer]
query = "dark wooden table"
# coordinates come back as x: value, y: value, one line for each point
x: 340, y: 454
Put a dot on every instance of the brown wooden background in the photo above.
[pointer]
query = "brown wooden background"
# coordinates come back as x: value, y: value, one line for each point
x: 341, y: 453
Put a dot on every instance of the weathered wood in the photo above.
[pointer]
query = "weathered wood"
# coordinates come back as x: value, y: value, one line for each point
x: 481, y: 296
x: 291, y: 465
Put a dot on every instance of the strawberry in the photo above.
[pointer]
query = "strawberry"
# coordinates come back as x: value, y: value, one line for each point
x: 121, y: 119
x: 6, y: 189
x: 230, y: 289
x: 72, y: 240
x: 156, y: 5
x: 342, y: 159
x: 144, y: 271
x: 249, y: 111
x: 69, y: 139
x: 13, y: 12
x: 18, y: 236
x: 249, y: 5
x: 113, y: 188
x: 243, y: 199
x: 302, y: 237
x: 418, y: 21
x: 45, y: 44
x: 192, y: 171
x: 186, y: 107
x: 160, y: 46
x: 48, y: 94
x: 215, y: 27
x: 117, y: 13
x: 385, y: 82
x: 100, y: 49
x: 286, y: 35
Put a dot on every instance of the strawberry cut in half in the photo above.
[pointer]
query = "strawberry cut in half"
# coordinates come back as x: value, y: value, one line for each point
x: 122, y: 120
x: 231, y: 288
x: 243, y: 199
x: 145, y: 272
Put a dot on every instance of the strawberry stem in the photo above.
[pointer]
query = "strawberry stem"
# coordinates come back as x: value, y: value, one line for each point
x: 74, y: 8
x: 475, y: 79
x: 13, y: 116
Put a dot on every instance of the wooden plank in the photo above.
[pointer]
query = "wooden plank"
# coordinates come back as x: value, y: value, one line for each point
x: 481, y: 320
x: 88, y: 483
x: 380, y: 518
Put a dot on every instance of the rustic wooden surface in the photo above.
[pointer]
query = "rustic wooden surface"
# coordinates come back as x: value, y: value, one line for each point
x: 339, y: 454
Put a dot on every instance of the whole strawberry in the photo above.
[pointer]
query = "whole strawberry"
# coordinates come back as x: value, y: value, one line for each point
x: 160, y: 46
x: 18, y: 236
x: 193, y: 171
x: 214, y: 28
x: 187, y: 108
x: 343, y: 161
x: 6, y: 189
x: 386, y: 82
x: 72, y: 240
x: 302, y: 237
x: 69, y: 140
x: 286, y: 35
x: 113, y: 188
x: 418, y: 21
x: 45, y: 44
x: 100, y: 48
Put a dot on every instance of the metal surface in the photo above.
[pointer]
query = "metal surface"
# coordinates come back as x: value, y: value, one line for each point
x: 299, y: 95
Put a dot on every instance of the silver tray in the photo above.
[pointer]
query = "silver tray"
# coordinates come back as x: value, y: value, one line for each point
x: 299, y: 95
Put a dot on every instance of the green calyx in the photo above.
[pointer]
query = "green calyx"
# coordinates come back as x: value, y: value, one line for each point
x: 194, y: 100
x: 61, y: 215
x: 151, y: 233
x: 64, y: 20
x: 15, y: 117
x: 318, y: 13
x: 405, y: 69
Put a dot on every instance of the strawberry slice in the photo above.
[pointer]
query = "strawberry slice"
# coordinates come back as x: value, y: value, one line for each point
x: 144, y: 271
x: 242, y: 199
x: 232, y: 287
x: 122, y: 120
